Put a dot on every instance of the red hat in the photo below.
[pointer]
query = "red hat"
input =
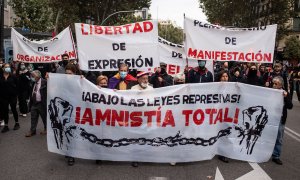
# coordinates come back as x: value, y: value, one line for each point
x: 142, y: 73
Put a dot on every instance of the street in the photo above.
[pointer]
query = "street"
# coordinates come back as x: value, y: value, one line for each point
x: 28, y: 158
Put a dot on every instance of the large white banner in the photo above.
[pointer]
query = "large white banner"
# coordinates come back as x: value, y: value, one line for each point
x: 182, y: 123
x: 44, y: 51
x: 103, y: 48
x: 211, y: 42
x: 174, y: 56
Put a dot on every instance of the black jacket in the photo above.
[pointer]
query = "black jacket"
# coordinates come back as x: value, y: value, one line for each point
x: 167, y: 80
x: 196, y: 76
x: 24, y: 82
x: 8, y: 87
x: 288, y: 104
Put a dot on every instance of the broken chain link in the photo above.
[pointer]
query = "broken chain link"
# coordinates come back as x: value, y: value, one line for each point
x: 158, y: 141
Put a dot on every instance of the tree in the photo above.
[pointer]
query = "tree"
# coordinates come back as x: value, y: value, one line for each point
x: 47, y: 15
x: 171, y: 33
x: 292, y: 49
x: 33, y: 14
x: 248, y: 13
x: 72, y: 11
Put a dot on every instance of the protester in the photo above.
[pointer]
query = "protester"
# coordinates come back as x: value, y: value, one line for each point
x: 122, y: 80
x: 294, y: 82
x: 8, y: 96
x: 142, y: 78
x: 223, y: 76
x: 38, y: 103
x: 278, y: 84
x: 65, y: 61
x: 179, y: 78
x: 261, y: 71
x: 91, y: 76
x: 252, y: 76
x: 161, y: 78
x: 23, y: 76
x: 198, y: 74
x: 276, y: 72
x: 225, y: 66
x: 102, y: 81
x: 237, y: 76
x: 30, y: 67
x: 71, y: 69
x: 53, y: 67
x: 143, y: 81
x: 44, y: 68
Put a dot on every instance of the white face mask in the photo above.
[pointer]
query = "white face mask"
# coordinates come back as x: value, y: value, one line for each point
x: 144, y: 85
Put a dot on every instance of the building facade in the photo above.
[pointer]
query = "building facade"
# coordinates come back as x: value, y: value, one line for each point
x: 9, y: 15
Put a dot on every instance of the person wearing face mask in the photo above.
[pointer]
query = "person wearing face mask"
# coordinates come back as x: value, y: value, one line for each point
x: 122, y: 80
x: 102, y: 81
x: 252, y: 76
x: 38, y: 103
x: 65, y: 61
x: 143, y: 80
x: 23, y: 76
x: 199, y: 74
x: 8, y: 96
x: 161, y: 78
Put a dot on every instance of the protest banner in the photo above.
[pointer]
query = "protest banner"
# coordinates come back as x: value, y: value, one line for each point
x: 174, y: 56
x: 211, y: 42
x: 103, y: 48
x: 181, y: 123
x: 44, y: 51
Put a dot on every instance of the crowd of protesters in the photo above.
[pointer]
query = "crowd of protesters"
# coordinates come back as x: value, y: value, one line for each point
x: 26, y: 85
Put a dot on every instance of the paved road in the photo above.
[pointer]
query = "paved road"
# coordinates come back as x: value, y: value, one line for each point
x: 28, y: 158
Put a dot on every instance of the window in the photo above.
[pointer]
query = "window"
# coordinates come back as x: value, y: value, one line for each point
x: 5, y: 3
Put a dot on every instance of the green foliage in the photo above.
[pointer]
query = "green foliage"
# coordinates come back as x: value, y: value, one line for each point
x: 33, y: 14
x: 292, y: 49
x: 46, y: 15
x: 244, y: 13
x: 171, y: 33
x: 74, y: 11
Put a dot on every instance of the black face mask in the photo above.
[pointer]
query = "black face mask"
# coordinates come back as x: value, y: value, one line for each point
x: 65, y: 62
x: 163, y: 71
x: 252, y: 73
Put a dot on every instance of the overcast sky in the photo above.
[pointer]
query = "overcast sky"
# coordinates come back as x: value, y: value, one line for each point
x: 174, y: 10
